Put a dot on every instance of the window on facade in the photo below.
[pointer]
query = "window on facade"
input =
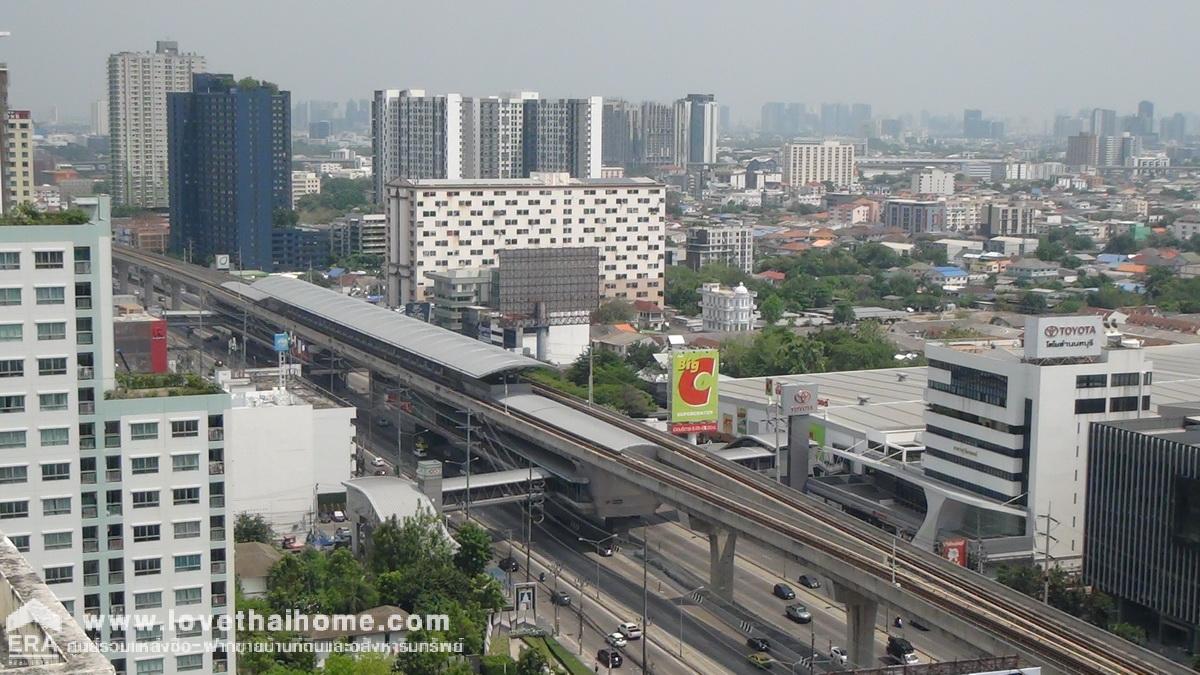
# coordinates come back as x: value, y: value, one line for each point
x: 56, y: 330
x: 1087, y: 406
x: 141, y: 465
x: 150, y: 667
x: 189, y: 495
x: 12, y: 368
x: 21, y: 541
x: 188, y: 596
x: 1122, y: 403
x: 185, y: 462
x: 10, y: 260
x: 56, y: 506
x: 12, y: 403
x: 57, y: 436
x: 55, y: 365
x: 185, y: 428
x: 146, y: 532
x: 53, y: 401
x: 147, y: 600
x: 147, y: 566
x: 189, y: 662
x: 144, y: 499
x: 140, y: 431
x: 50, y: 295
x: 10, y: 297
x: 14, y: 474
x: 11, y: 332
x: 56, y: 471
x: 187, y: 530
x: 1091, y: 381
x: 56, y: 541
x: 48, y: 260
x: 149, y: 634
x: 1126, y: 379
x: 58, y: 575
x: 187, y: 563
x: 14, y: 509
x: 13, y: 438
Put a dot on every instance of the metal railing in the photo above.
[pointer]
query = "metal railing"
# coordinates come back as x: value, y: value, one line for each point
x: 216, y: 534
x: 216, y: 434
x: 87, y: 407
x: 83, y: 267
x: 218, y: 567
x: 83, y: 302
x: 91, y: 580
x: 112, y: 475
x: 87, y: 442
x: 91, y: 545
x: 116, y: 543
x: 112, y: 440
x: 216, y: 502
x: 87, y: 477
x: 216, y: 468
x: 86, y: 372
x: 83, y: 337
x: 116, y: 577
x: 90, y: 511
x: 114, y: 509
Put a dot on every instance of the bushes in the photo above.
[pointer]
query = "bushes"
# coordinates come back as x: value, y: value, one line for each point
x: 497, y: 665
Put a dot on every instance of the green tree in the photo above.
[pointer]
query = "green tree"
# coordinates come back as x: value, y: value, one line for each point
x: 1033, y: 303
x: 532, y: 662
x: 1128, y: 631
x: 403, y: 544
x: 338, y: 194
x: 1050, y: 250
x: 317, y: 279
x: 771, y: 310
x: 368, y: 663
x: 1123, y: 244
x: 614, y: 311
x: 347, y: 590
x: 474, y: 549
x: 641, y: 355
x: 252, y: 527
x: 1021, y: 578
x: 284, y: 218
x: 843, y: 313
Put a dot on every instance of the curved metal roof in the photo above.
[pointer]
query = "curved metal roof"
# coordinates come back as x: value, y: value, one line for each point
x: 466, y: 355
x: 576, y: 421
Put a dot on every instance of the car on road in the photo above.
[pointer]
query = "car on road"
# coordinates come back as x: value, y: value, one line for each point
x: 809, y: 581
x: 838, y: 656
x: 902, y: 651
x: 509, y: 564
x: 378, y: 461
x: 560, y: 598
x: 381, y: 472
x: 630, y: 630
x: 798, y: 613
x: 616, y: 639
x: 609, y: 658
x: 324, y: 517
x: 784, y: 592
x: 339, y: 517
x: 758, y: 644
x: 761, y: 660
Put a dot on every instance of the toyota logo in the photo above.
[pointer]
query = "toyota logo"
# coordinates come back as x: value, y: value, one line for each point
x: 1050, y: 331
x: 802, y: 397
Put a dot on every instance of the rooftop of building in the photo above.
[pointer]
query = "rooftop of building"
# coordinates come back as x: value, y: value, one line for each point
x: 1179, y: 423
x: 259, y: 388
x: 155, y: 385
x: 534, y: 180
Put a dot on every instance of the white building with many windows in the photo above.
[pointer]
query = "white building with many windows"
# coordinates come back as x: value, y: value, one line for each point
x: 439, y: 225
x: 933, y: 181
x: 113, y: 490
x: 304, y: 183
x: 809, y: 162
x: 727, y: 310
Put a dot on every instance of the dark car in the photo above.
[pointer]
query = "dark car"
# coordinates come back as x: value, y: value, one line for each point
x: 609, y: 658
x: 809, y: 581
x: 605, y: 550
x: 560, y: 598
x: 381, y: 472
x: 758, y: 644
x: 509, y: 565
x: 917, y: 623
x: 784, y: 591
x: 798, y: 613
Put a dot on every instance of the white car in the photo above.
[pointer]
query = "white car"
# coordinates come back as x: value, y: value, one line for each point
x: 911, y: 659
x: 378, y: 461
x: 630, y: 630
x: 616, y: 639
x: 838, y: 656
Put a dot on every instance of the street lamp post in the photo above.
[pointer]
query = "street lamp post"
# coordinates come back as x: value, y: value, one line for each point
x: 582, y: 596
x: 683, y: 598
x: 597, y: 543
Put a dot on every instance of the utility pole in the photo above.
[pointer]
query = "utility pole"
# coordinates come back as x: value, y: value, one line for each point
x: 556, y: 569
x: 591, y: 368
x: 582, y: 596
x: 1050, y: 522
x: 645, y: 599
x: 528, y: 521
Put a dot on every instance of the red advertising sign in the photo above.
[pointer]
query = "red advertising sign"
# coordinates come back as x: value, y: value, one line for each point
x: 955, y: 550
x: 693, y: 427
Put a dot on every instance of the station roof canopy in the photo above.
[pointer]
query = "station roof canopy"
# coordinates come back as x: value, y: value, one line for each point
x: 458, y: 352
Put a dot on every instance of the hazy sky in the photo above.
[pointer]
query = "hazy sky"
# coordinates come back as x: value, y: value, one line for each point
x: 1007, y: 57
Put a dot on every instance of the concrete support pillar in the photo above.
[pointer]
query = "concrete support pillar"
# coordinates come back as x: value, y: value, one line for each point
x: 543, y: 342
x: 176, y: 296
x: 406, y: 439
x: 798, y: 456
x: 722, y: 546
x: 429, y: 482
x: 124, y: 285
x: 861, y: 613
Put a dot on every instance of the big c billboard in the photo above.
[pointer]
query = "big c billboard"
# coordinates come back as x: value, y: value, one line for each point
x: 1050, y: 337
x: 694, y: 390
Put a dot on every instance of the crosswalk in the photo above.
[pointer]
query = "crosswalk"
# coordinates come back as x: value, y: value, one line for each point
x: 746, y: 626
x: 697, y: 597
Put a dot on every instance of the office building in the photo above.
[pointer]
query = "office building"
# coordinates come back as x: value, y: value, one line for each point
x: 500, y: 147
x: 114, y: 494
x: 99, y: 117
x: 223, y: 194
x: 1011, y: 425
x: 415, y: 135
x: 304, y: 183
x: 808, y: 162
x: 138, y: 84
x: 726, y: 310
x: 436, y: 225
x: 18, y: 185
x: 1104, y: 122
x: 1007, y: 220
x: 1142, y: 531
x: 961, y: 214
x: 1083, y: 150
x: 1066, y: 126
x: 300, y: 247
x: 915, y: 216
x: 696, y: 129
x: 1145, y: 118
x: 1174, y: 128
x: 657, y: 136
x: 562, y: 136
x: 932, y: 181
x: 728, y: 245
x: 773, y: 119
x: 622, y: 126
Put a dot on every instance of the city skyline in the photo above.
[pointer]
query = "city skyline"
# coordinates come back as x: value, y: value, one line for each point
x: 629, y: 48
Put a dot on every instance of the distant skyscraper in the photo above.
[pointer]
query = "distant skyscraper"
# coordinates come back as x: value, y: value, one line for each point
x: 223, y: 193
x: 99, y: 117
x: 835, y: 118
x: 1145, y: 116
x: 414, y: 135
x: 18, y: 182
x: 860, y: 117
x: 725, y: 122
x: 1066, y: 126
x: 1174, y: 128
x: 563, y: 135
x: 1104, y: 122
x: 773, y: 119
x: 1083, y: 150
x: 300, y: 116
x: 138, y: 84
x: 973, y: 124
x: 499, y: 128
x: 622, y: 131
x: 696, y: 129
x: 657, y: 133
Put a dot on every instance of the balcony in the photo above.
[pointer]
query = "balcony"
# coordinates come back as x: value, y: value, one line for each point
x: 114, y: 509
x: 117, y: 610
x: 116, y: 577
x: 216, y: 502
x: 216, y: 534
x: 91, y: 580
x: 218, y: 600
x: 86, y: 372
x: 90, y: 511
x: 218, y: 567
x: 83, y: 267
x: 216, y: 434
x: 83, y: 337
x: 87, y: 477
x: 116, y: 543
x: 216, y: 468
x: 93, y: 612
x: 87, y: 407
x: 112, y: 440
x: 220, y: 666
x: 113, y: 475
x: 83, y: 302
x: 91, y: 545
x: 87, y: 442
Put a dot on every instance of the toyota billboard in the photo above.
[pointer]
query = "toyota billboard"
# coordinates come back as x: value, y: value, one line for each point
x: 1055, y: 337
x: 694, y: 391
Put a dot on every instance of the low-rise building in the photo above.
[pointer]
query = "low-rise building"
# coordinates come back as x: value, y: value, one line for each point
x: 304, y: 183
x: 1012, y: 246
x: 1032, y: 269
x: 727, y: 309
x: 729, y: 245
x: 915, y: 216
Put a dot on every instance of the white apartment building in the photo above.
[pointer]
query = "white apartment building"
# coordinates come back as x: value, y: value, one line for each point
x: 1011, y: 424
x: 372, y: 233
x: 499, y: 151
x: 99, y: 117
x: 1007, y: 220
x: 730, y: 245
x: 438, y: 225
x: 415, y: 135
x: 809, y: 162
x: 563, y: 135
x: 304, y: 183
x: 114, y: 495
x: 1184, y: 230
x: 726, y: 310
x: 933, y: 181
x: 961, y: 214
x: 138, y: 84
x: 18, y: 174
x: 696, y: 130
x: 915, y: 216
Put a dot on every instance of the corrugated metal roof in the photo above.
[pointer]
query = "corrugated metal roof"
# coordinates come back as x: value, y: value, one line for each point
x: 575, y: 421
x: 466, y: 355
x: 245, y: 290
x: 493, y: 478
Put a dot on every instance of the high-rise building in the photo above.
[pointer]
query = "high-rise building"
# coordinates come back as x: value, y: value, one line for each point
x: 774, y: 118
x: 499, y: 150
x: 818, y: 162
x: 724, y: 245
x: 1083, y: 150
x: 623, y: 215
x: 724, y: 117
x: 563, y: 135
x: 1013, y: 219
x: 18, y: 185
x: 415, y: 135
x: 1012, y: 425
x: 1118, y: 150
x: 114, y: 495
x: 1174, y: 128
x: 138, y: 84
x: 657, y: 134
x: 1145, y: 115
x: 622, y: 131
x: 860, y: 118
x: 3, y: 131
x: 835, y: 119
x: 696, y: 129
x: 99, y: 117
x: 915, y: 216
x: 1104, y: 122
x: 1066, y: 126
x: 933, y: 181
x: 224, y: 194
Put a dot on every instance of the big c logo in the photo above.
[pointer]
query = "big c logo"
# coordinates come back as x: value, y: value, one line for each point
x: 694, y: 386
